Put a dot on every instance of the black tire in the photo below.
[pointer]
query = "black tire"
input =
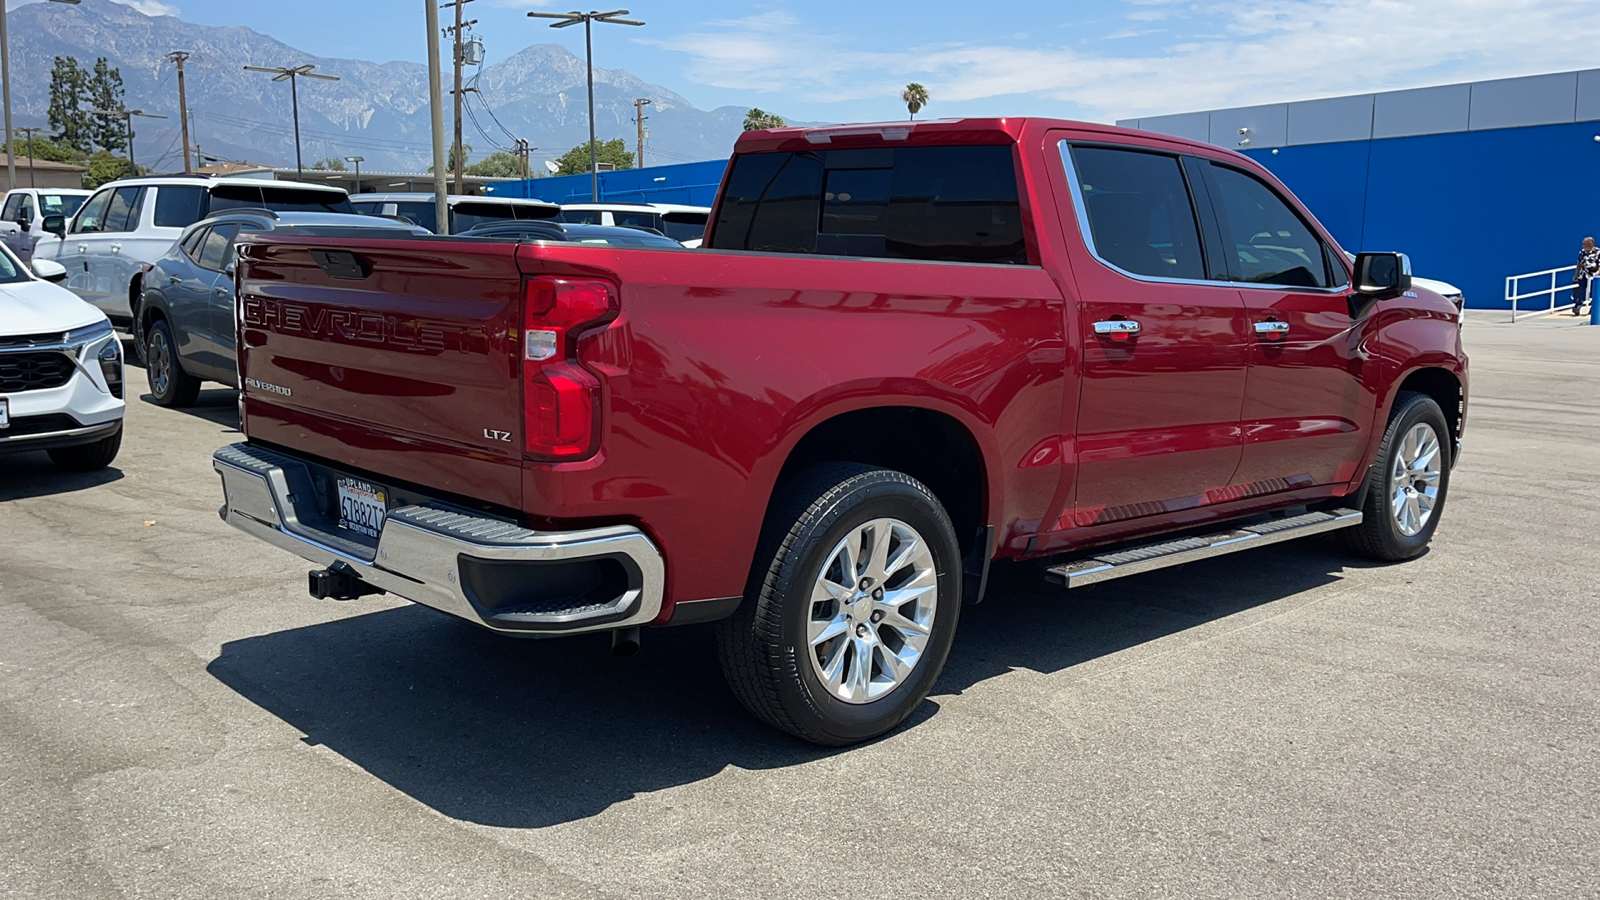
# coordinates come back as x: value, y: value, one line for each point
x: 170, y: 385
x: 1380, y: 535
x: 88, y: 457
x: 764, y: 647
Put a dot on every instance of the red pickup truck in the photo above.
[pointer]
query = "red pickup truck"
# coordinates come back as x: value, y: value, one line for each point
x: 906, y: 350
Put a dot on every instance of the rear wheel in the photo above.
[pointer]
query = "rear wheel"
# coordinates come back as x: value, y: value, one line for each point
x: 1409, y: 482
x: 851, y: 609
x: 88, y: 457
x: 170, y: 385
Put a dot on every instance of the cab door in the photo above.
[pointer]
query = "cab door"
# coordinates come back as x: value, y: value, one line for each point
x: 1310, y: 396
x: 1164, y: 355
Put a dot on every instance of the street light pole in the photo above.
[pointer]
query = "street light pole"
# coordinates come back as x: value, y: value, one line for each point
x: 29, y: 132
x: 293, y: 76
x: 127, y: 119
x: 5, y: 88
x: 573, y: 18
x: 358, y: 160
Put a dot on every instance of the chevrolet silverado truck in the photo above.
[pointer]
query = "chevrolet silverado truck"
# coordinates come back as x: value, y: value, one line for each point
x: 906, y: 351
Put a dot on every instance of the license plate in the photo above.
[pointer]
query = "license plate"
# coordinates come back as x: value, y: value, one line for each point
x: 361, y: 507
x: 5, y: 413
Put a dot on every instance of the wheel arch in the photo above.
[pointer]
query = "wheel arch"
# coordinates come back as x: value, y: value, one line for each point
x: 934, y: 446
x: 1445, y: 387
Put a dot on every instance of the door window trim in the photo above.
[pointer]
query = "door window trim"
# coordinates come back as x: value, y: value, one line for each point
x: 1343, y: 287
x: 1210, y: 228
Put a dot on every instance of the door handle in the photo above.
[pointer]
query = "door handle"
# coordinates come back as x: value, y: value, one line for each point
x: 173, y: 279
x: 83, y: 248
x: 221, y: 292
x: 1272, y: 328
x: 1117, y: 329
x: 116, y: 248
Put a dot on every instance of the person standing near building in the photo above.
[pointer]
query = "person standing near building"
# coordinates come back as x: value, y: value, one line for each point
x: 1588, y: 269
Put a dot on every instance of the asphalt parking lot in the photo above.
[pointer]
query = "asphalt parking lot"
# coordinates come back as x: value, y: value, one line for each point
x: 179, y: 719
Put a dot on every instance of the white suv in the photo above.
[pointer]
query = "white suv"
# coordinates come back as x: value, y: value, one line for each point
x: 131, y: 222
x: 24, y: 211
x: 684, y: 224
x: 60, y: 370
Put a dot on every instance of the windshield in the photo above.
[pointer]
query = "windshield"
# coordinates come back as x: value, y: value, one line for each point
x: 60, y: 204
x: 278, y: 199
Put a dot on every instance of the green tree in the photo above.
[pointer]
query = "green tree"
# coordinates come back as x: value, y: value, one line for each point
x: 915, y: 97
x: 496, y: 165
x: 45, y: 148
x: 105, y: 92
x: 69, y: 92
x: 576, y: 160
x: 330, y: 164
x: 758, y: 119
x: 104, y: 167
x: 450, y: 158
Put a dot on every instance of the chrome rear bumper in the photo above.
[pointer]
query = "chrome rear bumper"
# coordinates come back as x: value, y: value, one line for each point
x: 487, y: 571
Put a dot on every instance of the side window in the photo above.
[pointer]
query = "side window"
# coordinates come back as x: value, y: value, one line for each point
x: 179, y: 206
x: 1140, y: 216
x: 123, y: 213
x: 12, y: 208
x: 27, y: 207
x: 217, y: 247
x: 191, y: 244
x: 581, y: 216
x: 92, y: 216
x: 1269, y: 240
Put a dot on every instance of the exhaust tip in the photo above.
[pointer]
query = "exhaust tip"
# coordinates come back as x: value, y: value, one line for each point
x: 625, y: 642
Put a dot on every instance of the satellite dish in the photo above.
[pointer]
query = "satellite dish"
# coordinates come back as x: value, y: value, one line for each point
x: 551, y: 165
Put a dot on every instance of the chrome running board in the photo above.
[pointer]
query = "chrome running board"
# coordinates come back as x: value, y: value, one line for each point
x: 1134, y: 560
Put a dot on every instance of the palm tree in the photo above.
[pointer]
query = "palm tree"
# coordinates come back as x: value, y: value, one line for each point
x: 915, y: 97
x: 758, y: 119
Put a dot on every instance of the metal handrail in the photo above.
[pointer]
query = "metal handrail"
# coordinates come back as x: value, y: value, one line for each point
x: 1514, y: 286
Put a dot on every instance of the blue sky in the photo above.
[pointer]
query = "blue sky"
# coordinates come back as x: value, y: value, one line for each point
x: 845, y: 60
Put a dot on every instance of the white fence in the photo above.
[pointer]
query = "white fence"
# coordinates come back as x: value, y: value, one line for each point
x: 1558, y: 280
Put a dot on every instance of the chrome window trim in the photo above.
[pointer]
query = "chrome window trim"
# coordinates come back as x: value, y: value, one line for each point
x: 1081, y: 211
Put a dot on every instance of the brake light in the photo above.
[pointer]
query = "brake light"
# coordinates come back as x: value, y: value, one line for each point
x: 561, y: 399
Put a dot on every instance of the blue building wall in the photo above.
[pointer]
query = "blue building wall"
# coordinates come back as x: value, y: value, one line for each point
x: 694, y: 184
x: 1470, y: 207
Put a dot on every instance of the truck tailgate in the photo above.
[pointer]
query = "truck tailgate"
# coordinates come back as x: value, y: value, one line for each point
x: 384, y: 355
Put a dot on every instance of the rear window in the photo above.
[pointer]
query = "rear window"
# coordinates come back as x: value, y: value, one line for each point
x: 581, y: 216
x: 277, y: 198
x: 468, y: 215
x: 953, y: 204
x: 684, y: 226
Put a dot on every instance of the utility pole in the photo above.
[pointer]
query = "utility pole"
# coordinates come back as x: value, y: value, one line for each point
x: 639, y: 117
x: 178, y: 56
x: 30, y: 132
x: 441, y: 205
x: 455, y: 33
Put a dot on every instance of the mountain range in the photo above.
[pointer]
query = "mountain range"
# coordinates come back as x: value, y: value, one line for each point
x: 376, y: 110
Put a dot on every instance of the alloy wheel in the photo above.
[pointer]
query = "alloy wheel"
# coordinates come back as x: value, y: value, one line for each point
x: 872, y: 610
x: 1414, y: 478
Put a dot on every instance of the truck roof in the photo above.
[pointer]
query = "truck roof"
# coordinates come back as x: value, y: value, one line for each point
x: 1004, y: 130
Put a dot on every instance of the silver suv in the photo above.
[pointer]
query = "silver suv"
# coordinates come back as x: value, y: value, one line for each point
x: 131, y: 222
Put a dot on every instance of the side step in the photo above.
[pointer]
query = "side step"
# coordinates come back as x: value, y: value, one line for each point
x: 1186, y: 550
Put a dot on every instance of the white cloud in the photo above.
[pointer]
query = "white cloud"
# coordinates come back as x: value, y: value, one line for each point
x: 1238, y: 53
x: 151, y: 7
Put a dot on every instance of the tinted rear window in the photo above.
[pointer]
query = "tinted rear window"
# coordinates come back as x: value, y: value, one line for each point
x: 682, y: 226
x: 468, y: 215
x: 956, y: 204
x: 279, y: 199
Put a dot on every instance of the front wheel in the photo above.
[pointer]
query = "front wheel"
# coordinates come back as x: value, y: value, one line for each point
x: 170, y: 385
x: 851, y: 609
x: 1409, y: 482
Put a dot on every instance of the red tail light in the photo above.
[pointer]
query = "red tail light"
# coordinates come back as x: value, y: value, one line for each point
x: 561, y: 399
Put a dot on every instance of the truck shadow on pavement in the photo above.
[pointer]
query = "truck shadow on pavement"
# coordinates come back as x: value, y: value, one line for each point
x: 527, y: 734
x: 32, y: 474
x: 219, y: 406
